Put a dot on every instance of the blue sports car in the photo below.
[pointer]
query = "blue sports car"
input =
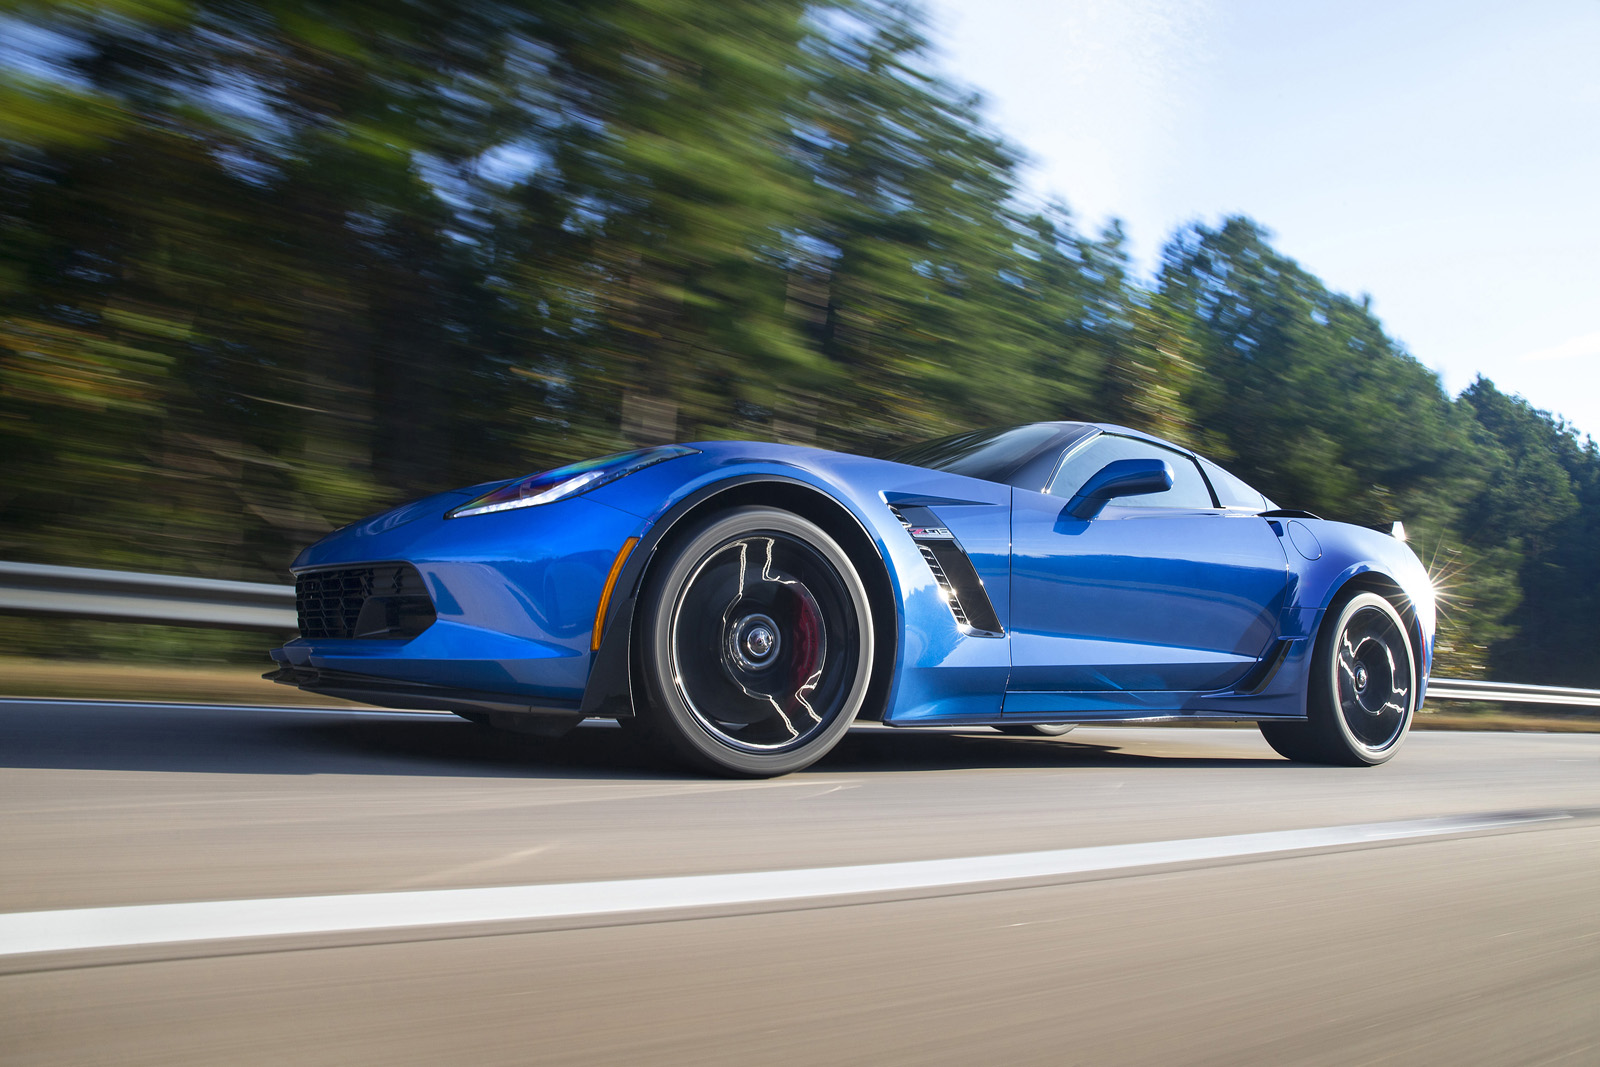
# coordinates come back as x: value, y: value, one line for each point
x: 740, y: 604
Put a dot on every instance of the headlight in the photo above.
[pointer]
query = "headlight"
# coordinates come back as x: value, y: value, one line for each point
x: 549, y: 486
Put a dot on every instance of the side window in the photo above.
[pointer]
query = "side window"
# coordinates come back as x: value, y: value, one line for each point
x: 1188, y: 487
x: 1232, y: 492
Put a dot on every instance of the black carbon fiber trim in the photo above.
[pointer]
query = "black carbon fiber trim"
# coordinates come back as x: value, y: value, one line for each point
x: 1265, y: 669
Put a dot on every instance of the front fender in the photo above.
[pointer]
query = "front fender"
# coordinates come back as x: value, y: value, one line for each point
x: 609, y: 693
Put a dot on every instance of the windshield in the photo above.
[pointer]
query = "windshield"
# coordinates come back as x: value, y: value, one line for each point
x: 994, y: 454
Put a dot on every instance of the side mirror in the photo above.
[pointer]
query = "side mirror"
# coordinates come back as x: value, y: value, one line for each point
x: 1122, y: 477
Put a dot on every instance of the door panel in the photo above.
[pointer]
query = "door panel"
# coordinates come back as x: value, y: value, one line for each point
x: 1139, y: 598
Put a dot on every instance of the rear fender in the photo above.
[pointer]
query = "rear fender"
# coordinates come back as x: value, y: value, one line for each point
x: 1355, y: 559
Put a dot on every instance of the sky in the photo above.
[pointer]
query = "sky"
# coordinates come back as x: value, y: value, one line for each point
x: 1442, y: 157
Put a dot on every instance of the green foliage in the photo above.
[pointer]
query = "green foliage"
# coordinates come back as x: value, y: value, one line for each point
x: 267, y: 267
x: 898, y: 264
x: 1541, y: 498
x: 1303, y: 387
x: 1313, y: 401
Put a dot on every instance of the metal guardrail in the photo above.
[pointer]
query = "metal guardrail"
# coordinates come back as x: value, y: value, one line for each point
x: 32, y: 588
x: 128, y: 596
x: 1510, y: 693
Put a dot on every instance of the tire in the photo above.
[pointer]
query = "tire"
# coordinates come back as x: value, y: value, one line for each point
x: 1036, y: 729
x: 755, y: 645
x: 1291, y: 740
x: 1363, y: 691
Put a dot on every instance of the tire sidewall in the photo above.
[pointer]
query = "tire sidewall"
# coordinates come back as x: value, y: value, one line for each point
x: 1323, y: 711
x: 675, y: 722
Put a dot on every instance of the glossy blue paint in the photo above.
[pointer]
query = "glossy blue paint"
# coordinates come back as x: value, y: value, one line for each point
x: 938, y: 671
x: 1119, y: 478
x: 1351, y: 552
x: 943, y: 673
x: 1138, y: 599
x: 1137, y: 612
x: 515, y: 593
x: 1305, y: 542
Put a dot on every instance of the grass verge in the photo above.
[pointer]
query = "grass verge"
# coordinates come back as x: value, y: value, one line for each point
x: 68, y: 680
x: 1464, y: 716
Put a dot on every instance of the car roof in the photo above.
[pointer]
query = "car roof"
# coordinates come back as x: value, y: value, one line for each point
x: 1129, y: 431
x: 1036, y: 472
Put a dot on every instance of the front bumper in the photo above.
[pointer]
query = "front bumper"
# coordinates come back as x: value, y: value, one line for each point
x: 514, y: 596
x: 548, y: 716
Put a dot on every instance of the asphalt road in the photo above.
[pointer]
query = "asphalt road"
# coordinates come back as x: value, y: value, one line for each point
x: 1470, y: 945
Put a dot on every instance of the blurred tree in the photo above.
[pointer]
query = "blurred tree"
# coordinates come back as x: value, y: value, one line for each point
x: 1541, y: 502
x: 265, y: 266
x: 649, y: 247
x: 1139, y: 344
x: 1315, y: 404
x: 1303, y: 387
x: 247, y: 212
x: 912, y: 269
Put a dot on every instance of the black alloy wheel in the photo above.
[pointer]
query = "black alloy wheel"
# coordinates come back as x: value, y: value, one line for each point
x: 1363, y: 691
x: 755, y: 645
x: 1036, y: 729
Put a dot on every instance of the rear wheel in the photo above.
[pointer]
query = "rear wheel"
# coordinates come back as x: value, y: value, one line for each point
x: 1036, y: 729
x: 755, y: 645
x: 1363, y: 690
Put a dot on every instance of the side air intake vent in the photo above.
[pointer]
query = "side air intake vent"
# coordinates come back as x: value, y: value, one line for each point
x: 945, y: 586
x: 952, y: 569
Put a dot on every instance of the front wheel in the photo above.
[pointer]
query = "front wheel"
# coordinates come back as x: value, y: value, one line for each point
x: 1363, y: 689
x: 755, y: 645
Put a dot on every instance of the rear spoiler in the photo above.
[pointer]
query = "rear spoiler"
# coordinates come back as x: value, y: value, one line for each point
x: 1396, y: 529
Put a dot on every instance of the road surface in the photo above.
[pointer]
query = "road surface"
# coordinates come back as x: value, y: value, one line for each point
x: 1153, y: 900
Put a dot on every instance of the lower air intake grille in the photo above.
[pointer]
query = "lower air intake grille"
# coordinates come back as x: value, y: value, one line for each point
x: 385, y: 601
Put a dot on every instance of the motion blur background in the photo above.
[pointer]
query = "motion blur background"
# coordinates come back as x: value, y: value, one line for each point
x: 266, y: 268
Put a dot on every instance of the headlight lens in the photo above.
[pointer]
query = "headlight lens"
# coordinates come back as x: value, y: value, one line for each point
x: 547, y: 487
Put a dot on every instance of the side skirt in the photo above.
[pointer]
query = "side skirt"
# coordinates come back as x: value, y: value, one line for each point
x: 1089, y: 718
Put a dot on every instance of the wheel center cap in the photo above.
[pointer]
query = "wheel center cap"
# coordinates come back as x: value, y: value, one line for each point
x: 1361, y: 676
x: 753, y: 641
x: 758, y: 641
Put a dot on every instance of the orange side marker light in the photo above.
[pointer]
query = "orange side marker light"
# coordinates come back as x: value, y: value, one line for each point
x: 605, y: 594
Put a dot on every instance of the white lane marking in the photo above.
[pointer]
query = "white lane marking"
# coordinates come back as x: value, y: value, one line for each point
x: 150, y: 924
